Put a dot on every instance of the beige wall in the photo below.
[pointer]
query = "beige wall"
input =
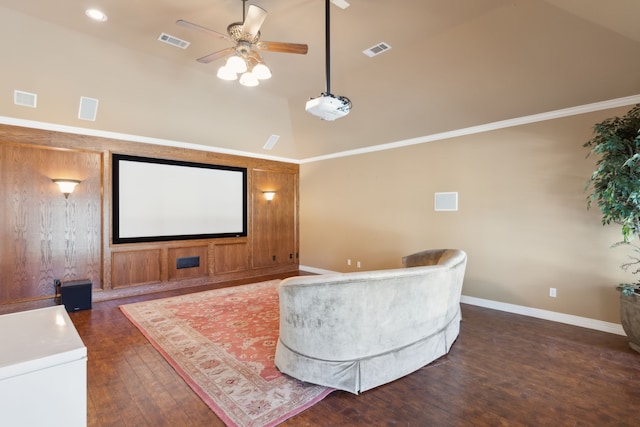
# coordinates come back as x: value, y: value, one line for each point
x: 522, y: 214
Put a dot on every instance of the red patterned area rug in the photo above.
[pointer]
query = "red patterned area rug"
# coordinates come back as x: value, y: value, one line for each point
x: 222, y: 342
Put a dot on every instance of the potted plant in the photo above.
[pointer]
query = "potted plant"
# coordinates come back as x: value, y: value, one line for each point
x: 615, y: 186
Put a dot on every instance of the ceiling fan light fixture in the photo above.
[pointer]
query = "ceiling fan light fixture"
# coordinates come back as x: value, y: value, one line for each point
x: 249, y: 80
x: 243, y: 60
x: 225, y: 73
x: 236, y: 64
x: 261, y: 71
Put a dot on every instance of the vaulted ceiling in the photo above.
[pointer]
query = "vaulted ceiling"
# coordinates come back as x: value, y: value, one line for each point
x: 452, y: 64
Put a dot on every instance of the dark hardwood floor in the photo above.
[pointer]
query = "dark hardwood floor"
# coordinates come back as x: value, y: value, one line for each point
x: 504, y: 370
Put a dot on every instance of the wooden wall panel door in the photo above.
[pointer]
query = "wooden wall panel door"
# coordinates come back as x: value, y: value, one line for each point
x: 134, y: 268
x: 43, y: 235
x: 230, y: 258
x: 274, y: 225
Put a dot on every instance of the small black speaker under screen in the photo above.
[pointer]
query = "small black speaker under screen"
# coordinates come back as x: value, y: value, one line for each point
x: 76, y: 295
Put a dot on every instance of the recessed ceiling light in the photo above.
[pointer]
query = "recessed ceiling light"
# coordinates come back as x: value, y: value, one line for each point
x: 96, y: 15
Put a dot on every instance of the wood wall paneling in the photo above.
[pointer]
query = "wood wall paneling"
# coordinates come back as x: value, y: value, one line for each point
x: 274, y: 223
x: 44, y: 236
x: 176, y: 273
x: 134, y: 268
x: 230, y: 258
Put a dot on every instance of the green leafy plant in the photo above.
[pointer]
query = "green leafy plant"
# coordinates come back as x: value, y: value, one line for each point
x: 615, y: 183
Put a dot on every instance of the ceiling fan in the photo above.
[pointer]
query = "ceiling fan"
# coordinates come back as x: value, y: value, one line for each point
x: 244, y: 58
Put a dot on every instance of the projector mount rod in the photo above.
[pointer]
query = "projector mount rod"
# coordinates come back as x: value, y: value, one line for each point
x: 327, y: 41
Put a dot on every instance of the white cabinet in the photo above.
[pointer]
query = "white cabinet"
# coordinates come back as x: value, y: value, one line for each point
x: 43, y: 370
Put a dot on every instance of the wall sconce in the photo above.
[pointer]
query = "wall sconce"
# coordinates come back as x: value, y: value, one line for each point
x: 269, y: 195
x: 66, y: 185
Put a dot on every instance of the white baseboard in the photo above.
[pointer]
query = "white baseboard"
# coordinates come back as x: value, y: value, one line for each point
x: 584, y: 322
x: 316, y: 270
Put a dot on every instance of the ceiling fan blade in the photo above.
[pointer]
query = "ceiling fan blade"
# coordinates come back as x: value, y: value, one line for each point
x: 283, y: 47
x: 216, y: 55
x: 197, y: 27
x: 255, y: 17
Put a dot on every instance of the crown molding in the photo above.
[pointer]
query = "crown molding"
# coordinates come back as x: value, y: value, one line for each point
x: 488, y: 127
x: 4, y: 120
x: 502, y: 124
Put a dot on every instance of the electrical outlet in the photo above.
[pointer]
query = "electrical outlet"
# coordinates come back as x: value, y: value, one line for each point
x: 348, y: 262
x: 552, y: 292
x: 358, y: 264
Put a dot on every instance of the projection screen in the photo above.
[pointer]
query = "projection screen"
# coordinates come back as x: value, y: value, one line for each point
x: 159, y: 200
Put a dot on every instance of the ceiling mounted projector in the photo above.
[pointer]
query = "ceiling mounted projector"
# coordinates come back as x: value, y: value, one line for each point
x: 328, y: 106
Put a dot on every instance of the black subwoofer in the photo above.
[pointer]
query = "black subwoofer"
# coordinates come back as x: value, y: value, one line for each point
x: 76, y: 295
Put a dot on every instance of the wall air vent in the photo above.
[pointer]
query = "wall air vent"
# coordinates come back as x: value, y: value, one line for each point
x: 376, y: 50
x: 173, y: 41
x: 25, y: 99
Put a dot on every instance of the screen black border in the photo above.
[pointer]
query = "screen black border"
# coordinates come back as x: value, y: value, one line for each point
x: 115, y: 199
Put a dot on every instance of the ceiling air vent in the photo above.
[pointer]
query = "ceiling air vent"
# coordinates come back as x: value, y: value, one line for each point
x: 342, y: 4
x: 25, y: 99
x: 271, y: 142
x: 173, y: 41
x: 376, y: 50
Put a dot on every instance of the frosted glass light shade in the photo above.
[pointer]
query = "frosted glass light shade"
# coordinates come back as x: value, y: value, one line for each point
x: 66, y: 185
x: 236, y: 64
x: 225, y: 73
x: 261, y: 72
x: 269, y: 195
x: 248, y: 79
